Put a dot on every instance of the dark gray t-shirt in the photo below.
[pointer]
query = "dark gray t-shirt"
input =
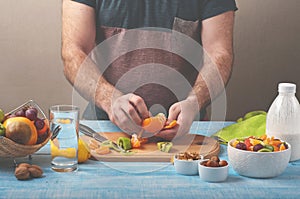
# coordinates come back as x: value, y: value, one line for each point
x: 116, y: 16
x: 155, y: 13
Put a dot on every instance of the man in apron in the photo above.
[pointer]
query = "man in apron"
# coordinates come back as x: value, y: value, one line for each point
x: 147, y: 79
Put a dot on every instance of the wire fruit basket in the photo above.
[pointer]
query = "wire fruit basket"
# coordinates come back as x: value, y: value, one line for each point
x: 11, y: 149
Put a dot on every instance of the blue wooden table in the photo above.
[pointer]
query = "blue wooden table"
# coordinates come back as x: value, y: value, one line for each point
x: 96, y: 179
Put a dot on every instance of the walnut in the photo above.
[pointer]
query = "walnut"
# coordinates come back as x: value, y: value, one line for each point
x: 188, y: 156
x: 22, y: 173
x: 26, y: 171
x: 35, y: 171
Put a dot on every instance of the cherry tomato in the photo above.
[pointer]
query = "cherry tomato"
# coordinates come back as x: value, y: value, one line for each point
x: 248, y: 143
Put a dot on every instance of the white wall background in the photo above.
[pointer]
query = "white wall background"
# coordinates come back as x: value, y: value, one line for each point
x: 31, y: 66
x: 267, y: 51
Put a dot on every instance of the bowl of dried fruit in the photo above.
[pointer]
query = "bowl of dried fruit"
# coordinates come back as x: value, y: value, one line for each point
x: 25, y: 131
x: 213, y: 169
x: 259, y: 157
x: 186, y: 163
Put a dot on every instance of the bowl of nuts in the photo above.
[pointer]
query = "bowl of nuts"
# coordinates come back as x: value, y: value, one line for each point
x: 213, y: 170
x: 186, y: 163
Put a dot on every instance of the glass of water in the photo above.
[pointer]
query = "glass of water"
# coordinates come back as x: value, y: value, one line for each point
x: 64, y: 148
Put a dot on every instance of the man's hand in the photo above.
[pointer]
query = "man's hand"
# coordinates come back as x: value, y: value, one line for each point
x: 127, y: 112
x: 184, y: 112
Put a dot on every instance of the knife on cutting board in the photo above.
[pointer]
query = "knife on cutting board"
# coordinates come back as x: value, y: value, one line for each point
x: 91, y: 133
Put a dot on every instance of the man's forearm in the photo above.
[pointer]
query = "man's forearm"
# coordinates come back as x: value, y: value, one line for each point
x: 212, y: 78
x: 217, y: 40
x: 86, y: 78
x: 78, y: 39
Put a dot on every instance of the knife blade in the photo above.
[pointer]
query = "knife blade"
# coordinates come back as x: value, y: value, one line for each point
x: 91, y: 133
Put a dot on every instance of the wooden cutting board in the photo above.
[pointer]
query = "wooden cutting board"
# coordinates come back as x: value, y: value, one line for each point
x: 149, y: 153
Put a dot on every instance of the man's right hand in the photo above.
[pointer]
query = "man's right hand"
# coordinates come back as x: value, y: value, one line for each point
x: 127, y: 112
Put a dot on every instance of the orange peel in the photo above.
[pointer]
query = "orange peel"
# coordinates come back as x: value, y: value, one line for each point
x: 171, y: 125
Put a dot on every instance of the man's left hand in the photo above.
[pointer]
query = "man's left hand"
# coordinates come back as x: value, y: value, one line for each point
x: 184, y: 112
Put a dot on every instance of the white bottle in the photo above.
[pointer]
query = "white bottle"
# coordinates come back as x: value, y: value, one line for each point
x: 283, y: 118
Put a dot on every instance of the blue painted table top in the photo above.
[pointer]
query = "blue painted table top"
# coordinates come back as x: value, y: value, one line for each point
x: 96, y: 179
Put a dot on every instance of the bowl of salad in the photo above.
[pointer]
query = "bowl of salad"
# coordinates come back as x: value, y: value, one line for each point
x: 259, y: 157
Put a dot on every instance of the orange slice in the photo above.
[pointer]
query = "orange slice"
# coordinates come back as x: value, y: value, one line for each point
x: 102, y: 150
x: 67, y: 153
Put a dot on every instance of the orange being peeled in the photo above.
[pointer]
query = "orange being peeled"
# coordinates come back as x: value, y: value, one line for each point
x: 154, y: 124
x: 21, y: 130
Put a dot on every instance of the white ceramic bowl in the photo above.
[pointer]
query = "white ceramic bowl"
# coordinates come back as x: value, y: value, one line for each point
x: 186, y: 167
x: 258, y: 164
x: 213, y: 174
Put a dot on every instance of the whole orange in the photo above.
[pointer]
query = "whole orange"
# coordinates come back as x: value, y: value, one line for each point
x: 21, y: 130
